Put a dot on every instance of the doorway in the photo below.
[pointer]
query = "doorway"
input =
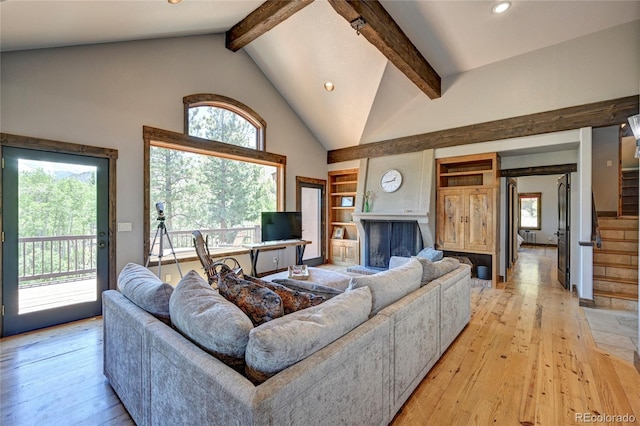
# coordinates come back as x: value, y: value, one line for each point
x: 538, y: 223
x: 310, y: 200
x: 56, y: 221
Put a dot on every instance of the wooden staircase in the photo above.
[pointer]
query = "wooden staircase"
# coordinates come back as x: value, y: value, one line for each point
x: 615, y: 264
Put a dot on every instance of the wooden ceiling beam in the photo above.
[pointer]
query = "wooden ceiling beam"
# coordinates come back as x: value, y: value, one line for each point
x: 598, y: 114
x: 261, y: 20
x: 371, y: 20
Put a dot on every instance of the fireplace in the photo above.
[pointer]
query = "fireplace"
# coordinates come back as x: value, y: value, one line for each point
x: 386, y: 238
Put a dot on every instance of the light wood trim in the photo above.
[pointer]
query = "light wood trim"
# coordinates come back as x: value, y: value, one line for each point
x: 597, y: 114
x: 267, y: 16
x: 385, y: 34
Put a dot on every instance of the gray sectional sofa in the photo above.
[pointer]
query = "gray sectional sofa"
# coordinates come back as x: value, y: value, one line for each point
x: 363, y: 377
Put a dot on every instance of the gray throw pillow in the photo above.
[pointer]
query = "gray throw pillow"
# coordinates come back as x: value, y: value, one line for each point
x: 277, y: 344
x: 391, y: 285
x: 432, y: 270
x: 142, y: 287
x: 431, y: 254
x: 209, y: 320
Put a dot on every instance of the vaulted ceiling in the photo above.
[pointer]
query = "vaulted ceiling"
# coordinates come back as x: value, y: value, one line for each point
x: 316, y: 44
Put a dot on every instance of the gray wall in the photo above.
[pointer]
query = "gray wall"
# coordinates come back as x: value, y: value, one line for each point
x: 605, y: 164
x: 102, y: 95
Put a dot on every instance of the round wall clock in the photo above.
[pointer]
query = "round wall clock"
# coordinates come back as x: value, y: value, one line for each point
x: 391, y: 180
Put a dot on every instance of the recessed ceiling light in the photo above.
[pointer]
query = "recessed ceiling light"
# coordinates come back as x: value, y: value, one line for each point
x: 328, y: 86
x: 174, y: 1
x: 501, y: 7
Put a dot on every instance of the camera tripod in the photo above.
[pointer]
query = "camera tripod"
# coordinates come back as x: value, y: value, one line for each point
x: 161, y: 230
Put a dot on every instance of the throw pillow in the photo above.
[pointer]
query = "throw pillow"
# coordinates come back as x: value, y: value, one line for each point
x: 284, y: 341
x: 292, y: 300
x: 209, y: 320
x: 431, y: 254
x: 390, y: 285
x: 258, y: 302
x: 142, y: 287
x: 432, y: 270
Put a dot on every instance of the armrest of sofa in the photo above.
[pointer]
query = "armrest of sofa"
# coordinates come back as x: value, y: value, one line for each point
x: 455, y: 304
x: 415, y: 331
x: 125, y: 348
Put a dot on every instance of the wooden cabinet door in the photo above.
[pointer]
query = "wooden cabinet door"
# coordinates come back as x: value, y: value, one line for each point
x: 450, y: 220
x: 479, y: 219
x: 351, y: 253
x: 337, y: 252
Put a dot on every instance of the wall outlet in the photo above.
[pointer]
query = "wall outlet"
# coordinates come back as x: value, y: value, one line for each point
x: 167, y: 278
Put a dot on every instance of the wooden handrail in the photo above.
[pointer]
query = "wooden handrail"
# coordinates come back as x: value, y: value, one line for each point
x: 595, y: 226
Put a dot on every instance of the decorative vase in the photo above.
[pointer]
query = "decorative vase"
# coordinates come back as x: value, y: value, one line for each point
x: 366, y: 206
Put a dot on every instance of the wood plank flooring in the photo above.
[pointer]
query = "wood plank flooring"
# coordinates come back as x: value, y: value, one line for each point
x: 527, y: 357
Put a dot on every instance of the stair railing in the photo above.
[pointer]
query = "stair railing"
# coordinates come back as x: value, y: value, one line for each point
x: 595, y: 227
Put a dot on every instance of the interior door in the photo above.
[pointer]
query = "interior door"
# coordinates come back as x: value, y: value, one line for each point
x: 563, y: 234
x: 55, y: 254
x: 310, y: 201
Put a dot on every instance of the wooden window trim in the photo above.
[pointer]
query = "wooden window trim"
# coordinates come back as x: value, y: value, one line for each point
x: 220, y: 101
x: 537, y: 195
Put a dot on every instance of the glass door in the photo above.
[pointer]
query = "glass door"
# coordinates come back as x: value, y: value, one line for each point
x: 310, y: 201
x: 55, y: 254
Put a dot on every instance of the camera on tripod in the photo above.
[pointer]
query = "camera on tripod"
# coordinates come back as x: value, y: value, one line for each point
x: 160, y: 209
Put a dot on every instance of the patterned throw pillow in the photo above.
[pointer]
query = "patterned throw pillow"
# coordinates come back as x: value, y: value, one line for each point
x: 292, y: 300
x: 259, y: 303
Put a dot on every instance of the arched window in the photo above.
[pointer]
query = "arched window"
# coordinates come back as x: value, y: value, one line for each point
x: 216, y: 178
x: 223, y: 119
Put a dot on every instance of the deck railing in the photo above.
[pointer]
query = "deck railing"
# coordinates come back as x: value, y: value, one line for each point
x: 47, y: 260
x: 42, y: 260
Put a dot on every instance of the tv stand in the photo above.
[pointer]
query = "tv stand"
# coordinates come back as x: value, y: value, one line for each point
x: 254, y: 250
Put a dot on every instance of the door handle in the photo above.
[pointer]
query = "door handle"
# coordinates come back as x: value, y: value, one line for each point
x: 101, y: 244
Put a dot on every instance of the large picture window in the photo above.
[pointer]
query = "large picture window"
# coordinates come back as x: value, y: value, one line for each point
x: 530, y: 210
x: 216, y: 178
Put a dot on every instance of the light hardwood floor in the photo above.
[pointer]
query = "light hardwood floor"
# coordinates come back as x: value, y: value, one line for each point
x: 527, y: 357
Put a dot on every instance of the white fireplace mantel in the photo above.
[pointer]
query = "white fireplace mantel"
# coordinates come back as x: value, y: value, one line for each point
x: 419, y: 217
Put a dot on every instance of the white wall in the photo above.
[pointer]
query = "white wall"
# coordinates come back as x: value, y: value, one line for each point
x: 548, y: 187
x: 599, y: 66
x: 606, y: 158
x: 102, y: 95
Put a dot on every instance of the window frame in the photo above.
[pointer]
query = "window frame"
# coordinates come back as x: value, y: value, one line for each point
x: 538, y: 196
x: 185, y: 142
x: 220, y: 101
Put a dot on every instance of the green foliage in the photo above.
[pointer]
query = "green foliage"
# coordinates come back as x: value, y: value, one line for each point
x: 52, y: 206
x: 205, y: 191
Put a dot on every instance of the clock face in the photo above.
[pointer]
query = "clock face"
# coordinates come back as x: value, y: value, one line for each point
x: 391, y: 180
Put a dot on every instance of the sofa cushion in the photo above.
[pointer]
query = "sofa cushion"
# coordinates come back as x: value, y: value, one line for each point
x: 142, y: 287
x: 209, y: 320
x: 258, y: 302
x: 390, y: 285
x: 292, y: 300
x: 432, y: 270
x: 276, y: 345
x: 431, y: 254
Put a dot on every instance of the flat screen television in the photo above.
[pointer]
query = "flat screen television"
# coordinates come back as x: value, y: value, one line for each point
x: 278, y: 226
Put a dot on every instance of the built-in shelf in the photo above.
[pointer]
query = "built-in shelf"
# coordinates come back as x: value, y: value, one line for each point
x: 342, y: 197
